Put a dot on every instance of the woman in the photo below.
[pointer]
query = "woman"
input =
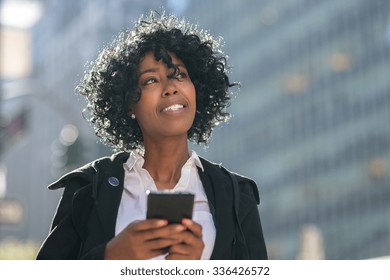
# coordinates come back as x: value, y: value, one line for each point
x: 157, y: 86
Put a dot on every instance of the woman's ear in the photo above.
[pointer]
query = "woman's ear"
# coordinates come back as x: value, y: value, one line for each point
x: 130, y: 112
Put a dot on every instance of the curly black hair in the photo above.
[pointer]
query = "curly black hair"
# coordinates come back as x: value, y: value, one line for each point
x: 111, y: 85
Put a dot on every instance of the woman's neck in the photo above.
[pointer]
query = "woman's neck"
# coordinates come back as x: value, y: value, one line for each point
x: 164, y: 161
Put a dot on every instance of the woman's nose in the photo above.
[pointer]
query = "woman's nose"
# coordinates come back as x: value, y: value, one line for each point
x: 170, y: 88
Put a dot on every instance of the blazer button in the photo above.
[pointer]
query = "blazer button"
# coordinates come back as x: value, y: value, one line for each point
x: 113, y: 181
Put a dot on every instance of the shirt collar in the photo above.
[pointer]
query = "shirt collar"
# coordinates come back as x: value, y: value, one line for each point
x: 137, y: 159
x: 195, y: 158
x: 133, y: 160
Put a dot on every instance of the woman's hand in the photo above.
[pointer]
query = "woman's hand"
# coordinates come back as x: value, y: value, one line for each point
x: 146, y: 239
x: 191, y: 243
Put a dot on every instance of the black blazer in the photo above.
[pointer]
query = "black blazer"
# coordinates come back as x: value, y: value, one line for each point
x: 86, y: 215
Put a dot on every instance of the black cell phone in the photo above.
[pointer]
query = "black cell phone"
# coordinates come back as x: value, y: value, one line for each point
x: 172, y: 206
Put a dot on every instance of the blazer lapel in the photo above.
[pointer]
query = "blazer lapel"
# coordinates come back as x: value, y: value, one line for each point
x: 110, y: 181
x: 220, y: 196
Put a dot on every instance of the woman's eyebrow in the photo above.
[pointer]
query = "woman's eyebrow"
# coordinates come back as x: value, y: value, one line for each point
x: 153, y: 70
x: 181, y: 65
x: 149, y: 70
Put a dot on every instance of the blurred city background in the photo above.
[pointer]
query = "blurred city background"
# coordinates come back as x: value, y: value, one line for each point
x: 311, y: 121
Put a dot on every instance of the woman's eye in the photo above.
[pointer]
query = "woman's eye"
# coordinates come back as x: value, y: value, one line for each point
x: 181, y: 75
x: 149, y: 81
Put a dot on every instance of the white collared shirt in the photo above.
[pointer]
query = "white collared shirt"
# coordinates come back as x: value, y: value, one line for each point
x: 138, y: 181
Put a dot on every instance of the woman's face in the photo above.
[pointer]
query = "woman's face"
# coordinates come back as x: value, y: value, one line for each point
x: 167, y: 105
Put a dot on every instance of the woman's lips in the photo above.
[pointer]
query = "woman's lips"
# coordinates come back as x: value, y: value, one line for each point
x: 173, y: 108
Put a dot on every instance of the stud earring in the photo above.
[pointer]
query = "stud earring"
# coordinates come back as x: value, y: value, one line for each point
x: 132, y: 116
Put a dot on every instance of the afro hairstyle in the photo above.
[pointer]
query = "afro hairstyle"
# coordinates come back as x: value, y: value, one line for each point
x: 110, y: 86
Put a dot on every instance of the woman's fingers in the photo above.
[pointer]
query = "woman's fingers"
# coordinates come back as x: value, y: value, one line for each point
x: 191, y: 244
x: 154, y: 237
x: 143, y: 240
x: 194, y: 227
x: 147, y: 224
x: 161, y: 232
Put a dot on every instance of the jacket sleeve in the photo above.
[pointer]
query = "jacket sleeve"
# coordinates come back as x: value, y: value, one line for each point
x: 249, y: 218
x: 63, y: 242
x: 68, y: 230
x: 96, y: 253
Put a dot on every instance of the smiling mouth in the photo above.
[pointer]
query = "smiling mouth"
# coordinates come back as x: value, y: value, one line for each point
x: 173, y: 108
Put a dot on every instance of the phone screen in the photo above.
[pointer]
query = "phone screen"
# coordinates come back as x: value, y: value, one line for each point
x: 170, y: 206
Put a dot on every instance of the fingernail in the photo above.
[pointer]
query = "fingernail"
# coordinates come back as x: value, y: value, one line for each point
x: 186, y: 221
x: 163, y: 222
x: 180, y: 227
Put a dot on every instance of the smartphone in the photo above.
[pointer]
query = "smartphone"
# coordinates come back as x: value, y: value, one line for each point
x: 172, y: 206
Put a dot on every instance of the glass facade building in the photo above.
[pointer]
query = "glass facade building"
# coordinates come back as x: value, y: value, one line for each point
x: 311, y: 122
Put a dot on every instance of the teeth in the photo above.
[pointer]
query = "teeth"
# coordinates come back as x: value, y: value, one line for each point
x: 173, y: 107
